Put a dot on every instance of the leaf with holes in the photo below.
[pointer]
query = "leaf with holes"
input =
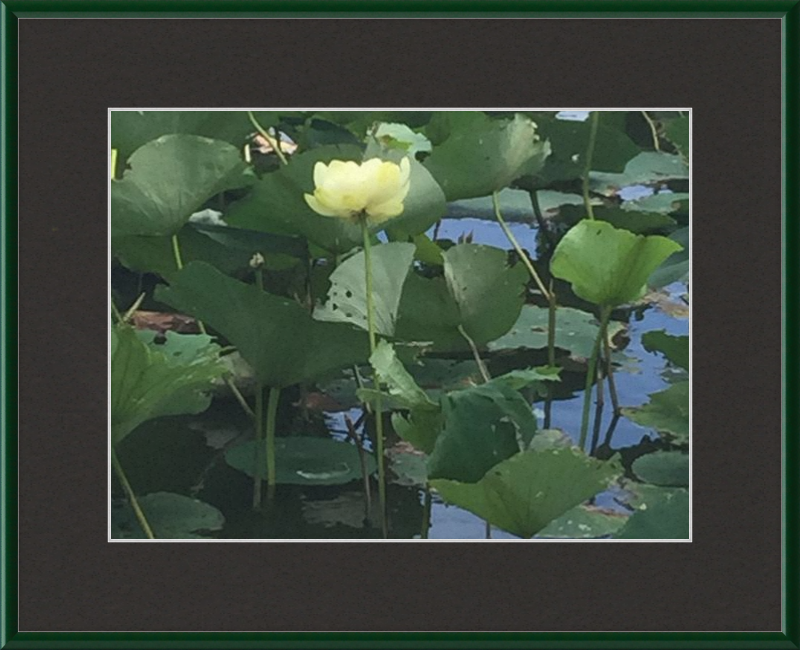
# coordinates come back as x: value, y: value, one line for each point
x: 347, y: 298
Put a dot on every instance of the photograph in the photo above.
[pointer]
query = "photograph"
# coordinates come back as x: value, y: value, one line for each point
x: 399, y: 325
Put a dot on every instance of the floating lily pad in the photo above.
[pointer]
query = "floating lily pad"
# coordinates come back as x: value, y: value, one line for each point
x: 663, y: 515
x: 400, y: 136
x: 663, y: 202
x: 304, y: 460
x: 525, y: 493
x: 634, y: 221
x: 667, y: 412
x: 674, y: 348
x: 607, y: 266
x: 146, y: 384
x: 277, y: 336
x: 576, y: 331
x: 646, y: 168
x: 169, y: 180
x: 664, y: 468
x: 481, y: 155
x: 584, y: 522
x: 347, y: 298
x: 171, y: 516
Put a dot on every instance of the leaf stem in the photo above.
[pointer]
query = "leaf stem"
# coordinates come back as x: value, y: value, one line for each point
x: 275, y: 143
x: 612, y: 385
x: 259, y: 422
x: 240, y: 398
x: 272, y: 412
x: 653, y: 130
x: 123, y: 479
x: 376, y: 379
x: 476, y: 354
x: 522, y: 254
x: 605, y: 313
x: 594, y: 121
x: 537, y: 213
x: 362, y: 459
x: 426, y: 513
x: 176, y: 252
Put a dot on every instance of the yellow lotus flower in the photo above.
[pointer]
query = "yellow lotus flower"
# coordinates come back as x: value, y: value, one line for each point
x: 374, y: 190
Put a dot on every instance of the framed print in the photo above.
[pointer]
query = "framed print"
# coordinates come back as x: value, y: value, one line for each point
x: 442, y: 325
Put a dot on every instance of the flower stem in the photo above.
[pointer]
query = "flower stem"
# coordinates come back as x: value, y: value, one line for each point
x: 595, y: 120
x: 176, y: 252
x: 376, y: 380
x: 275, y: 143
x: 605, y: 313
x: 131, y: 496
x: 259, y: 422
x: 522, y: 254
x: 272, y: 411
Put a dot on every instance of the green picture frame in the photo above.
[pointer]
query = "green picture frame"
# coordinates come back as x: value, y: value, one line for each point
x: 787, y: 11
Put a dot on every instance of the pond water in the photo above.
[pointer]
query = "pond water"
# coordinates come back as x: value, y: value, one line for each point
x: 184, y: 454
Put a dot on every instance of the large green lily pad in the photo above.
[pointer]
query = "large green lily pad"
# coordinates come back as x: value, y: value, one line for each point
x: 608, y: 266
x: 276, y: 336
x: 169, y: 180
x: 147, y: 383
x: 347, y: 298
x: 667, y: 412
x: 304, y: 460
x: 171, y: 516
x: 481, y: 155
x: 483, y: 425
x: 525, y: 493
